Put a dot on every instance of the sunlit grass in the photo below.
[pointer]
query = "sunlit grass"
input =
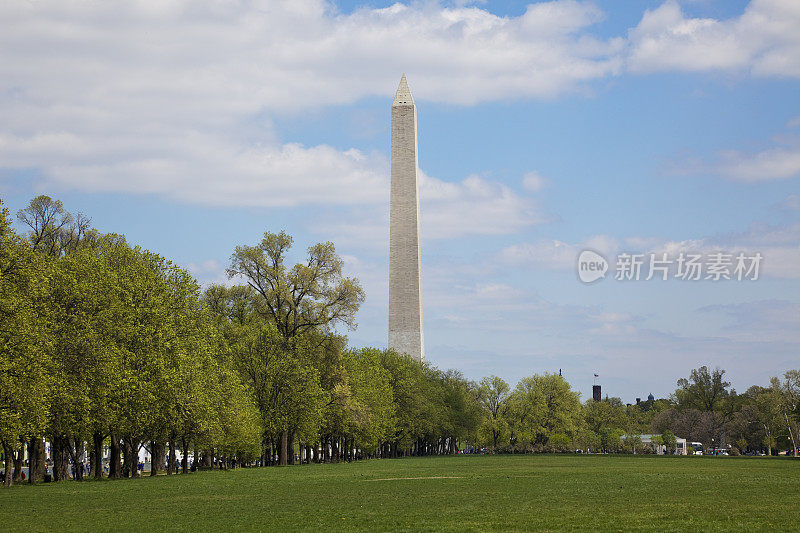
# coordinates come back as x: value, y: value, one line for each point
x: 439, y: 493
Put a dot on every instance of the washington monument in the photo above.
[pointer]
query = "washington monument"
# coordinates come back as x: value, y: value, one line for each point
x: 405, y: 291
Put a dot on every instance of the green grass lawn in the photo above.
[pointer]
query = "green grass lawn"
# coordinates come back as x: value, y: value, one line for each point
x: 465, y: 493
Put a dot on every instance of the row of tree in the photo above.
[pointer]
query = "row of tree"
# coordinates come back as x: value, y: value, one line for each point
x: 103, y: 344
x: 543, y: 414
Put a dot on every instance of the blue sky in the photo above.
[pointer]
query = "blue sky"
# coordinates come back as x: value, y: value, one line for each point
x: 544, y: 129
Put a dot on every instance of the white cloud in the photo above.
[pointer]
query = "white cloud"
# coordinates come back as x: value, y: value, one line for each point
x: 556, y: 255
x: 300, y: 54
x: 763, y: 41
x: 778, y: 245
x: 473, y: 206
x: 778, y: 162
x: 612, y: 323
x: 209, y: 265
x: 211, y: 271
x: 551, y: 254
x: 203, y: 169
x: 791, y: 202
x: 763, y: 320
x: 174, y: 98
x: 533, y: 181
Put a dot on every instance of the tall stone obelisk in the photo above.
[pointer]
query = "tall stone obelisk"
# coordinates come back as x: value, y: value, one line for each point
x: 405, y: 291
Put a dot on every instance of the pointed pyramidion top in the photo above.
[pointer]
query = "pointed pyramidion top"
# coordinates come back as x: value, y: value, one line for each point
x: 403, y: 96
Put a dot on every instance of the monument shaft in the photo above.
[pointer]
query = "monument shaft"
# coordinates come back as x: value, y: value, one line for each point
x: 405, y: 291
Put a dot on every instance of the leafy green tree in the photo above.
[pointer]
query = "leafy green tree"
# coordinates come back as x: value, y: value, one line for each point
x: 372, y: 414
x: 542, y: 406
x: 611, y: 439
x: 493, y: 395
x: 460, y: 411
x: 765, y: 412
x: 669, y: 440
x: 704, y: 390
x: 656, y: 441
x: 52, y: 230
x: 608, y: 419
x: 587, y: 439
x: 166, y: 352
x: 23, y: 344
x: 791, y: 406
x: 80, y: 309
x: 308, y: 296
x: 285, y: 386
x: 560, y: 442
x: 632, y: 443
x: 235, y: 431
x: 411, y: 408
x: 55, y: 234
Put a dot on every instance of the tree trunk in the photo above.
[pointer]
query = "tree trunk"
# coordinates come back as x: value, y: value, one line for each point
x: 97, y: 464
x: 41, y: 467
x: 172, y: 459
x: 60, y: 449
x: 131, y: 457
x: 284, y: 450
x: 769, y: 440
x: 156, y: 457
x: 9, y: 455
x: 791, y: 433
x: 18, y: 457
x: 31, y: 460
x: 185, y: 458
x: 75, y: 449
x: 154, y: 462
x: 290, y: 448
x: 206, y: 459
x: 34, y: 457
x: 114, y: 471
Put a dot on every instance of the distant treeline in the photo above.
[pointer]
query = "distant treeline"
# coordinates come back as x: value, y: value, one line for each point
x: 104, y: 344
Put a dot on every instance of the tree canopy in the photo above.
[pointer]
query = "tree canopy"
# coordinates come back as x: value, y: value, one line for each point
x: 105, y: 345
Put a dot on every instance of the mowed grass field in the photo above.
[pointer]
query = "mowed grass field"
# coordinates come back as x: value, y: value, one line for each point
x: 467, y: 493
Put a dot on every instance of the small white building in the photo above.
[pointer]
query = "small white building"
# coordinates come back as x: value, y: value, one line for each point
x: 680, y: 445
